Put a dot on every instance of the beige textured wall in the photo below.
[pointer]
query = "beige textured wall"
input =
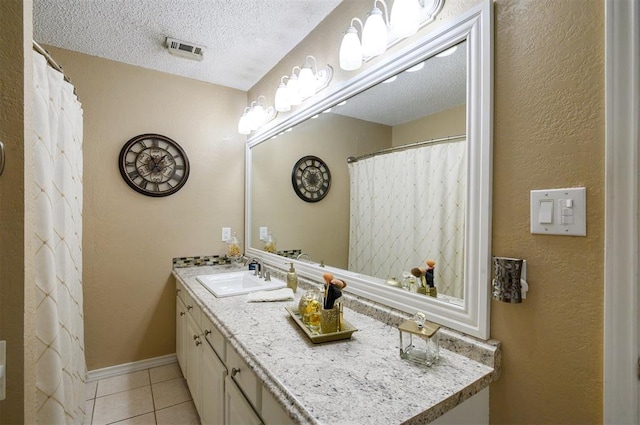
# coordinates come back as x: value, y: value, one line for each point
x: 17, y: 293
x: 318, y: 229
x: 129, y: 239
x: 451, y: 122
x: 548, y: 133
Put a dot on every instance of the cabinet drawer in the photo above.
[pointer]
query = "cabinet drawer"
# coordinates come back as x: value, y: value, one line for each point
x: 272, y: 412
x: 245, y: 378
x: 213, y: 337
x: 192, y: 308
x: 180, y: 291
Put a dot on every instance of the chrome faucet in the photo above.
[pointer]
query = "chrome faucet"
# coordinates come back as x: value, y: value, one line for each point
x: 258, y: 270
x: 304, y: 254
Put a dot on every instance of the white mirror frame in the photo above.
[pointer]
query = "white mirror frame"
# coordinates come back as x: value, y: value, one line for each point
x: 472, y: 317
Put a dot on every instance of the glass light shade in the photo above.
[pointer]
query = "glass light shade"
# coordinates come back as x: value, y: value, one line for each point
x: 374, y: 34
x: 350, y: 51
x: 416, y: 67
x: 307, y: 83
x: 282, y: 99
x: 447, y: 52
x: 257, y: 116
x: 243, y: 124
x: 293, y: 90
x: 405, y: 18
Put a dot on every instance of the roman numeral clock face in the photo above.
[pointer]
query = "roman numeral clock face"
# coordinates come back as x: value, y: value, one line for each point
x: 154, y: 165
x: 311, y: 179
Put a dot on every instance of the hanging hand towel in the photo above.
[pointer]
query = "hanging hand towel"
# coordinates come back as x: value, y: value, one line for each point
x: 284, y: 294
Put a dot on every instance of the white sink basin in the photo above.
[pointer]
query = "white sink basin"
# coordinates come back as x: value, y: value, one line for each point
x: 237, y: 283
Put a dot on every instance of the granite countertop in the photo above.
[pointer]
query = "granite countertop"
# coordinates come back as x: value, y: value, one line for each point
x: 358, y: 381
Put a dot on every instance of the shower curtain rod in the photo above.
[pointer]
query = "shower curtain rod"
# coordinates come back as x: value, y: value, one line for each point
x: 52, y: 63
x: 404, y: 147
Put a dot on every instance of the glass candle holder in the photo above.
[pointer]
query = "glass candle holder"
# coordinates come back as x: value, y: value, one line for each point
x: 419, y: 341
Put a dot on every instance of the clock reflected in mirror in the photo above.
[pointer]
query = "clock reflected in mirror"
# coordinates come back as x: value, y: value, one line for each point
x: 154, y: 165
x: 311, y: 178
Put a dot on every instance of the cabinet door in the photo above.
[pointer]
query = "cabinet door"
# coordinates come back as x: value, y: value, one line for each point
x: 237, y: 410
x: 181, y: 334
x: 194, y: 362
x: 213, y: 374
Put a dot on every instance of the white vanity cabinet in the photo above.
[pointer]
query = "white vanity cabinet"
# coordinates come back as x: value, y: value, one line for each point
x: 201, y: 366
x: 237, y: 409
x: 181, y: 331
x: 223, y: 387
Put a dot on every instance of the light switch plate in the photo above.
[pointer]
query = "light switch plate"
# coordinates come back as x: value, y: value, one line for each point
x: 559, y: 211
x: 226, y: 234
x: 264, y: 233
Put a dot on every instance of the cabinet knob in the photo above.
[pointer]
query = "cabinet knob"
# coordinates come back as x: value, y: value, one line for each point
x: 182, y: 313
x: 189, y: 307
x: 196, y: 337
x: 207, y: 332
x: 178, y: 291
x: 198, y: 342
x: 234, y: 372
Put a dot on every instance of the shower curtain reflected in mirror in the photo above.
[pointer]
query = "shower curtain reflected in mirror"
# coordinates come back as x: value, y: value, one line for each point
x: 385, y: 240
x: 61, y: 366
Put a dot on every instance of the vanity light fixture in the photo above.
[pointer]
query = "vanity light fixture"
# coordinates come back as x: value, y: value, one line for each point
x: 378, y: 33
x: 351, y: 48
x: 416, y: 67
x: 405, y: 18
x: 293, y: 88
x: 256, y: 115
x: 302, y: 85
x: 282, y: 97
x: 390, y: 79
x: 447, y: 52
x: 243, y: 122
x: 375, y: 35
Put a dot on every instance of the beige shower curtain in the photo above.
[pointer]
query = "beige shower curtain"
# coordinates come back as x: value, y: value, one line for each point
x: 406, y: 207
x: 61, y: 367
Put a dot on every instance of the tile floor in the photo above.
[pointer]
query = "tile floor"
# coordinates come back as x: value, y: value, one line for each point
x: 156, y: 396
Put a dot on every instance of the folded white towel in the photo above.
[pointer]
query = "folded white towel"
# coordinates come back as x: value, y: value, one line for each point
x: 283, y: 294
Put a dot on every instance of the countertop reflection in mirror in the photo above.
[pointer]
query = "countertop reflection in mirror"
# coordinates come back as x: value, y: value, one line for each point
x: 391, y: 114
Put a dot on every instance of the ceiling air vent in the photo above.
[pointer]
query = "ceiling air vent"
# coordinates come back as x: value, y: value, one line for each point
x: 185, y: 49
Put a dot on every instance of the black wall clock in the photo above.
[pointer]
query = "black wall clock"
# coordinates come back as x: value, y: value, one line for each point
x: 154, y: 165
x: 311, y: 178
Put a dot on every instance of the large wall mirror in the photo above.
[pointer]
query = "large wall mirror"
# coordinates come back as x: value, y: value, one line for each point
x: 408, y: 145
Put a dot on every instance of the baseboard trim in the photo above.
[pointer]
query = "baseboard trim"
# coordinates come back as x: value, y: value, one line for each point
x: 108, y: 372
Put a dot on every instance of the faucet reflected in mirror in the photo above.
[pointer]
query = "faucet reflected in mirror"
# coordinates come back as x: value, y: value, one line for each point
x: 452, y: 95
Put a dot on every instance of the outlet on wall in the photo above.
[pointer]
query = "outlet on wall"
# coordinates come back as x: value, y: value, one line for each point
x: 226, y: 234
x: 264, y: 233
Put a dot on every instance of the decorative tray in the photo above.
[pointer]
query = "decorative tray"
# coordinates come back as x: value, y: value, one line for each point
x: 317, y: 337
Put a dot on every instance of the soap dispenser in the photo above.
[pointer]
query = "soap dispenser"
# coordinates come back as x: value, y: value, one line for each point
x: 292, y: 279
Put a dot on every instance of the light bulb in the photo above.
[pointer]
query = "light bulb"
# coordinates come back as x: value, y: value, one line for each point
x: 447, y: 52
x: 416, y: 67
x: 243, y: 124
x: 293, y: 90
x: 307, y: 83
x: 282, y: 99
x: 405, y: 18
x: 374, y: 34
x: 350, y: 50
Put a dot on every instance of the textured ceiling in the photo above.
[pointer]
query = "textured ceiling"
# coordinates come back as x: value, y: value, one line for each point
x: 439, y: 86
x: 243, y: 39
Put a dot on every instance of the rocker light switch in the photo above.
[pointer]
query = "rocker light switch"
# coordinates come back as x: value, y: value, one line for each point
x: 559, y: 211
x: 545, y: 215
